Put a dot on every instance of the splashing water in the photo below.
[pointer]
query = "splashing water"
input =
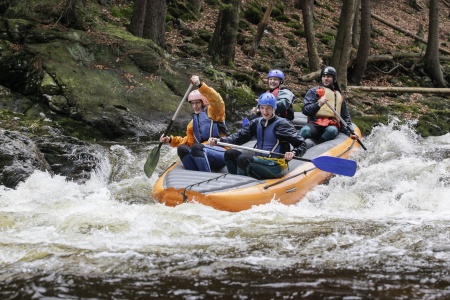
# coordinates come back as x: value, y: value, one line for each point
x: 380, y: 234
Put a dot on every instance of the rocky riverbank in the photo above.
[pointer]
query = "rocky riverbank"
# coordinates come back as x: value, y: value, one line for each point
x: 65, y: 91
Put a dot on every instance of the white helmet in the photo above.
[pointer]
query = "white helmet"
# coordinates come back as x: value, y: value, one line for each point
x: 196, y: 95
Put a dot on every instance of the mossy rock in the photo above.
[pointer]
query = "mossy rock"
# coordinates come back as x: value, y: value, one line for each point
x: 299, y: 32
x: 205, y: 35
x: 293, y: 43
x: 283, y: 18
x: 438, y: 103
x: 434, y: 123
x: 294, y: 24
x: 122, y: 11
x: 366, y: 123
x: 377, y: 110
x: 261, y: 67
x: 253, y: 12
x: 277, y: 10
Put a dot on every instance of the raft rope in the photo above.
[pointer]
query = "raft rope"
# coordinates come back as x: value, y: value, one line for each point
x: 287, y: 178
x: 189, y: 187
x: 306, y: 171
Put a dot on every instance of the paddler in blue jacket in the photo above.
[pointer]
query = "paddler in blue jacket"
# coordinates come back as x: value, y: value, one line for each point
x: 273, y: 133
x: 208, y: 120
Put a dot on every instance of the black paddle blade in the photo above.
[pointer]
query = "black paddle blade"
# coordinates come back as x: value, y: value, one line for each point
x: 152, y: 161
x: 335, y: 165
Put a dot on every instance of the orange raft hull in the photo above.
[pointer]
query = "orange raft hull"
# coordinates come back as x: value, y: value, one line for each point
x: 288, y: 189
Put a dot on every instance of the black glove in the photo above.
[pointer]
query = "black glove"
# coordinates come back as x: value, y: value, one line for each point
x: 301, y: 150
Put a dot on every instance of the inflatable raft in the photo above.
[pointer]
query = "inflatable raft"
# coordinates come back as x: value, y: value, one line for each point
x: 229, y: 192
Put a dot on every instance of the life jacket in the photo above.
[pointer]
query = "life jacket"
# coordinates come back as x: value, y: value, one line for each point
x: 325, y: 116
x: 204, y: 127
x: 289, y: 113
x: 266, y: 139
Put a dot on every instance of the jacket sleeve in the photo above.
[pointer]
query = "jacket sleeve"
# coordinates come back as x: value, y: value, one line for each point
x: 188, y: 140
x: 345, y: 115
x: 216, y: 108
x: 284, y: 100
x: 310, y: 104
x: 243, y: 135
x: 285, y: 131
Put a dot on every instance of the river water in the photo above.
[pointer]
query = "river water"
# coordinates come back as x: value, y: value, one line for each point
x: 382, y: 234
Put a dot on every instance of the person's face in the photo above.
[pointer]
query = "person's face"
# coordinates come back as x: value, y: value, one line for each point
x: 266, y: 111
x: 327, y: 80
x: 197, y: 105
x: 274, y: 82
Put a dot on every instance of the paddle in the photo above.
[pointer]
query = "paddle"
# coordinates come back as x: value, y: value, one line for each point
x: 153, y: 157
x: 330, y: 164
x: 345, y: 124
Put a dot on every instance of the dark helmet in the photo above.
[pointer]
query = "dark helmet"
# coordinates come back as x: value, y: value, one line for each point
x: 276, y: 73
x: 329, y: 71
x: 267, y: 99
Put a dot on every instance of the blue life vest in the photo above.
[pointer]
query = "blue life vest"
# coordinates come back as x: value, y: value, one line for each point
x: 266, y: 139
x: 204, y: 127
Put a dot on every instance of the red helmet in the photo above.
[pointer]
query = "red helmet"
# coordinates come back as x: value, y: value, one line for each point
x: 196, y: 95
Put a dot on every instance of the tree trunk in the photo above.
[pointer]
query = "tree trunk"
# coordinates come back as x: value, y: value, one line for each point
x: 223, y: 42
x: 356, y: 25
x: 262, y: 27
x: 313, y: 55
x: 405, y: 32
x: 360, y: 63
x: 341, y: 51
x: 155, y: 22
x: 431, y: 58
x: 136, y: 26
x: 377, y: 59
x: 395, y: 89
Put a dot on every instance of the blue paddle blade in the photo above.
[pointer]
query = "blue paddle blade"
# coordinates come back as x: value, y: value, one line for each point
x: 335, y: 165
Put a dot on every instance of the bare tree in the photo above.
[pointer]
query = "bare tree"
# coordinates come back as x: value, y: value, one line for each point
x: 431, y: 58
x: 223, y: 42
x: 155, y: 22
x: 341, y: 51
x: 136, y: 26
x: 313, y: 55
x: 261, y: 27
x: 356, y: 25
x: 360, y: 63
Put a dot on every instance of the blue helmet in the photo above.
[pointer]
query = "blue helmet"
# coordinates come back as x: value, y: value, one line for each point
x: 267, y: 99
x: 276, y: 73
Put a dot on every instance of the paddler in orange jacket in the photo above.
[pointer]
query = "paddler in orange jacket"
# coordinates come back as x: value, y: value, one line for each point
x: 322, y: 122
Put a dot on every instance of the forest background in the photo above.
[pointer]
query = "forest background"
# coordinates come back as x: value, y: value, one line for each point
x: 79, y: 72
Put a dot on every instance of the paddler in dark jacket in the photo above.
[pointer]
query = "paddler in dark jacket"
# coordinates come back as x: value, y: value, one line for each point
x: 273, y: 133
x: 322, y: 122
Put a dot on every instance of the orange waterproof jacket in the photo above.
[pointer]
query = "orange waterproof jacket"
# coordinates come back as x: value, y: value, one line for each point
x: 215, y: 110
